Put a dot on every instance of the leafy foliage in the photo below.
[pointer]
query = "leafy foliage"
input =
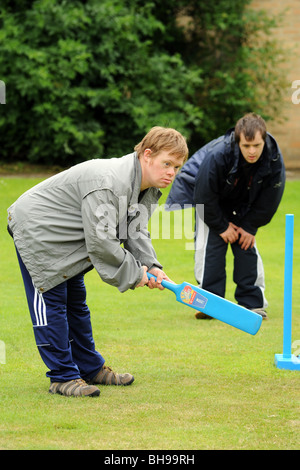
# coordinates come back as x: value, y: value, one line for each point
x: 90, y: 78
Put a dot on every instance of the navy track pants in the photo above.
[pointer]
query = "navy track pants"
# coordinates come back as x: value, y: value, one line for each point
x: 62, y: 328
x: 210, y: 268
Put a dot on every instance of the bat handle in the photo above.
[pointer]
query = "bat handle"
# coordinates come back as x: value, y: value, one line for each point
x: 164, y: 283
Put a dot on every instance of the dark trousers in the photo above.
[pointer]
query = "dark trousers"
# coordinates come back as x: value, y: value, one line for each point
x: 210, y: 268
x: 62, y: 328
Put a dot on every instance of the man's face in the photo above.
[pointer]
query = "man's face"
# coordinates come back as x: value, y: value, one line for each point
x: 251, y: 149
x: 160, y: 170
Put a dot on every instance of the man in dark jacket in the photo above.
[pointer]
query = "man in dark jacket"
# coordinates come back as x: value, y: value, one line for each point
x: 239, y: 178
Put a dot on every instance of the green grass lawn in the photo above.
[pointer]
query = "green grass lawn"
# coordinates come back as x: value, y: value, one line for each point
x: 198, y: 384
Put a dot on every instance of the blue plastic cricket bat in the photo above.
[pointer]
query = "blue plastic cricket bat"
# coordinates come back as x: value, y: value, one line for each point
x: 214, y: 306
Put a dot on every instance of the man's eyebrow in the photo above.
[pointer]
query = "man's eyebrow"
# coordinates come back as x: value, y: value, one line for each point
x: 252, y: 144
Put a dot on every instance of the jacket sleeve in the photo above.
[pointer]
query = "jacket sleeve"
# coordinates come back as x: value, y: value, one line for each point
x: 115, y: 265
x: 207, y: 188
x: 266, y: 204
x: 181, y: 193
x: 140, y: 245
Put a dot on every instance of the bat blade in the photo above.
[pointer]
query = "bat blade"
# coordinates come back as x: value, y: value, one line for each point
x: 215, y: 306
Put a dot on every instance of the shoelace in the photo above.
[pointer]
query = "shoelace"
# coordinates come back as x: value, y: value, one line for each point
x: 80, y: 382
x: 109, y: 369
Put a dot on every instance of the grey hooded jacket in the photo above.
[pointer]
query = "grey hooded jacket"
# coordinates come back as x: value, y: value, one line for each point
x: 91, y: 215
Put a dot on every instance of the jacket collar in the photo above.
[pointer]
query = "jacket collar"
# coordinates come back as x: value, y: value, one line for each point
x: 271, y: 152
x: 149, y: 194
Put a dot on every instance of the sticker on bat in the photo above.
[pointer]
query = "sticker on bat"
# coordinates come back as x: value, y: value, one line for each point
x: 190, y: 296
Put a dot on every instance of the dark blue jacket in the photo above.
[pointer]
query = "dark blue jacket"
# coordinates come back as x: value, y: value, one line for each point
x: 211, y: 176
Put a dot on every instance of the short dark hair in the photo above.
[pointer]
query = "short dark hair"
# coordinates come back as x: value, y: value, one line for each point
x: 249, y: 125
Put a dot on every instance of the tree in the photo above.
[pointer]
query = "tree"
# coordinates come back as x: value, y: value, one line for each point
x: 88, y: 79
x: 241, y: 62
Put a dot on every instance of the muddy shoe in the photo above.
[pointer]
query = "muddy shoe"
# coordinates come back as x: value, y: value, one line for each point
x: 76, y: 388
x: 261, y: 311
x: 107, y: 377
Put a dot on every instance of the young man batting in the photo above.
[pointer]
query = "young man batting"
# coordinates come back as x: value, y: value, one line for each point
x: 81, y: 219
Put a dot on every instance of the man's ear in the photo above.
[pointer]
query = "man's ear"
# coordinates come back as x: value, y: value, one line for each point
x: 147, y: 154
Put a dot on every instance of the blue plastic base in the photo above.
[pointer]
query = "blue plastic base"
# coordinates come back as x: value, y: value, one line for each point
x: 291, y: 362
